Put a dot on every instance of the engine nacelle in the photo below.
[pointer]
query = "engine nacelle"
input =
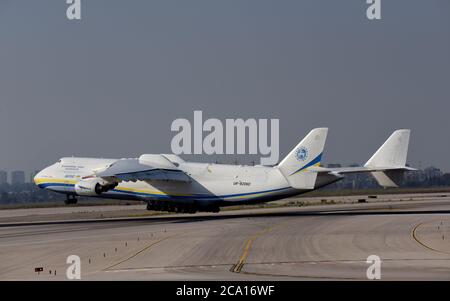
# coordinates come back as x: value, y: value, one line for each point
x: 93, y: 187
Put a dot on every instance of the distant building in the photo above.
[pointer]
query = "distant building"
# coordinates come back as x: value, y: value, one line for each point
x: 17, y: 177
x: 423, y: 175
x: 333, y: 165
x: 3, y: 177
x: 355, y: 165
x: 432, y: 172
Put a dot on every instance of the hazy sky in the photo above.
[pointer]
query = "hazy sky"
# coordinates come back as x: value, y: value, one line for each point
x: 111, y: 84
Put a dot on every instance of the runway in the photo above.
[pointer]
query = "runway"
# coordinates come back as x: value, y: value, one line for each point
x: 309, y: 243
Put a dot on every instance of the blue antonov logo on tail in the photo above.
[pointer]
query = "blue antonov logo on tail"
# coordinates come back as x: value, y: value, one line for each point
x: 302, y: 154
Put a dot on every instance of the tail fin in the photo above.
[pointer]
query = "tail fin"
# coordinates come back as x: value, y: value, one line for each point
x: 393, y: 152
x: 391, y: 155
x: 307, y: 153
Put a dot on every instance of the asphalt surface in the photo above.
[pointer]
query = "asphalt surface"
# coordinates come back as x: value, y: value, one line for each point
x: 412, y: 239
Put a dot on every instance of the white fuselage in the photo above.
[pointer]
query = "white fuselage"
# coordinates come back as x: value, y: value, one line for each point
x: 211, y: 183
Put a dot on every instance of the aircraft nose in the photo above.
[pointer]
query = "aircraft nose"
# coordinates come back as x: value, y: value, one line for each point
x: 37, y: 177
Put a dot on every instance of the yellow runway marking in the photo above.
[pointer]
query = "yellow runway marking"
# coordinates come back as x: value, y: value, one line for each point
x: 238, y: 266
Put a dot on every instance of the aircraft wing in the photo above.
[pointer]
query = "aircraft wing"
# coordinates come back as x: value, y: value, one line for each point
x: 145, y: 168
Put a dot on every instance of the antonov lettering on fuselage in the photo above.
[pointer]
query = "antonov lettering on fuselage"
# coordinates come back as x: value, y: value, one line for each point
x: 168, y: 183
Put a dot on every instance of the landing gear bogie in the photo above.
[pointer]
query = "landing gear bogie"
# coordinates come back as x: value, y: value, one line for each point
x: 180, y: 208
x: 71, y: 200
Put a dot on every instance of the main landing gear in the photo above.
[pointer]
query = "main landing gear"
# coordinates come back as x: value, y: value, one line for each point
x: 71, y: 199
x: 179, y: 208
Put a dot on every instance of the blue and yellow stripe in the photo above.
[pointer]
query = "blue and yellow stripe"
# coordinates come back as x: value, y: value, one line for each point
x: 48, y: 183
x: 314, y: 162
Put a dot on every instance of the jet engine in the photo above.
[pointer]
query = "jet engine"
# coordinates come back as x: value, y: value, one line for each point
x: 93, y: 186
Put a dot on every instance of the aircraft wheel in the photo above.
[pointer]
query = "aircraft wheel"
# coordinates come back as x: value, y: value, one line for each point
x: 70, y: 200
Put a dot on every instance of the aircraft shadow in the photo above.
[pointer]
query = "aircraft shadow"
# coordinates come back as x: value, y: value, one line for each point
x: 193, y: 218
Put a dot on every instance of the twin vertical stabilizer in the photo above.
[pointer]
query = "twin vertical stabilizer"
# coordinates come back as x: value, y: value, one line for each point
x: 387, y: 165
x: 306, y: 154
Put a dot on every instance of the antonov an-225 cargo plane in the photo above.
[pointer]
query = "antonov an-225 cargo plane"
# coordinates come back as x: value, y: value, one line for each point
x: 168, y: 183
